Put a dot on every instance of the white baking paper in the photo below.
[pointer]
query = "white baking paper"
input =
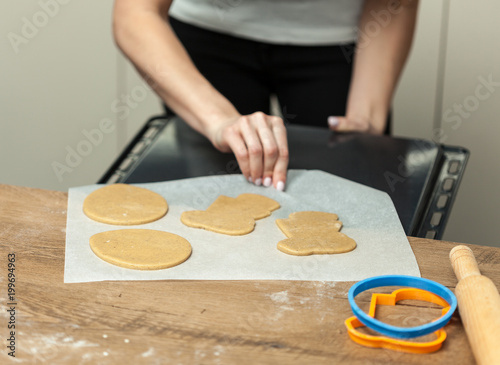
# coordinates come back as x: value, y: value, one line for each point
x: 368, y: 215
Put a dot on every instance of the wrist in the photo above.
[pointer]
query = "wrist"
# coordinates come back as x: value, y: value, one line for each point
x: 214, y: 127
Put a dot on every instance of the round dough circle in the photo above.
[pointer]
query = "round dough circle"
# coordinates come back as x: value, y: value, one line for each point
x: 124, y: 204
x: 140, y: 249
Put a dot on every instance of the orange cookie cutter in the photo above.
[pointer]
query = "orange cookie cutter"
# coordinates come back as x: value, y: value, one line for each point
x: 353, y: 323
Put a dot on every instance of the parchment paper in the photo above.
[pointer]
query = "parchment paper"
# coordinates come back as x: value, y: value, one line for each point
x: 368, y: 215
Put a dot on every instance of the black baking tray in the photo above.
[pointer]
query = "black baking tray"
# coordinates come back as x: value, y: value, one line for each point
x: 421, y: 177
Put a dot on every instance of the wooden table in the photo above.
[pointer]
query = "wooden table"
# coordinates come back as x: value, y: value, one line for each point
x: 190, y: 322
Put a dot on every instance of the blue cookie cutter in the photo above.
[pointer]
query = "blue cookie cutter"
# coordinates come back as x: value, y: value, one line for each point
x: 406, y: 281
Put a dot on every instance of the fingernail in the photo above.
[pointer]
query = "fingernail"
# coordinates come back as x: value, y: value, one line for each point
x: 258, y: 182
x: 333, y: 122
x: 250, y: 179
x: 267, y: 182
x: 280, y: 186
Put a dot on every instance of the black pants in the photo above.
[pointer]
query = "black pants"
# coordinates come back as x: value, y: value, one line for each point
x: 310, y: 82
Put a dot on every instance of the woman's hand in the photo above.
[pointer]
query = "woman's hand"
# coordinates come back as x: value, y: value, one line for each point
x: 354, y: 124
x: 260, y: 145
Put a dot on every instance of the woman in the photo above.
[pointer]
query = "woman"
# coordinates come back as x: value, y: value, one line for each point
x: 215, y: 64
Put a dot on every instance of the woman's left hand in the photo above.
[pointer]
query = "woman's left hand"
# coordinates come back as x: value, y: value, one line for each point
x: 353, y: 124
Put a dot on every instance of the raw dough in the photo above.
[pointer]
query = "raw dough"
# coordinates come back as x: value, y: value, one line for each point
x: 141, y: 249
x: 296, y: 222
x: 313, y: 233
x: 231, y: 216
x: 124, y: 204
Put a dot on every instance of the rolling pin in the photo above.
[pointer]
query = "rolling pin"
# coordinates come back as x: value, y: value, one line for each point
x: 479, y: 306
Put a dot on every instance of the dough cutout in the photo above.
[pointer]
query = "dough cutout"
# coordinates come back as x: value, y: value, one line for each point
x: 312, y: 233
x: 124, y: 204
x: 231, y: 216
x: 140, y: 249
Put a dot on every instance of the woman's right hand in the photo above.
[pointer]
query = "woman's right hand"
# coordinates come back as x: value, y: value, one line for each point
x: 259, y: 143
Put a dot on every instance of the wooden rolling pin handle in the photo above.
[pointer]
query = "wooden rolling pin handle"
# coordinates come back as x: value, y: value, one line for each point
x: 479, y: 306
x: 463, y: 262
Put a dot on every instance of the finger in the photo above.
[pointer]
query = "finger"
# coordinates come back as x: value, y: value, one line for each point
x: 269, y: 145
x: 343, y: 124
x: 254, y: 147
x: 281, y: 165
x: 237, y: 145
x: 338, y: 124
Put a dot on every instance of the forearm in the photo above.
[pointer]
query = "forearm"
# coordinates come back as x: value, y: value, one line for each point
x: 385, y: 37
x: 142, y: 32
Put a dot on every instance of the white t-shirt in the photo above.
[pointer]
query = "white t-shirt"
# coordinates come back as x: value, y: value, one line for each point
x: 298, y: 22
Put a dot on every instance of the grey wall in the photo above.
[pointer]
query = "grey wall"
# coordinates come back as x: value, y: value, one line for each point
x: 450, y: 93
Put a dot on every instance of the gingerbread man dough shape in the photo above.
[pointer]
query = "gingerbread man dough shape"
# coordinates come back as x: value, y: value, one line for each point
x: 312, y: 233
x: 231, y: 216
